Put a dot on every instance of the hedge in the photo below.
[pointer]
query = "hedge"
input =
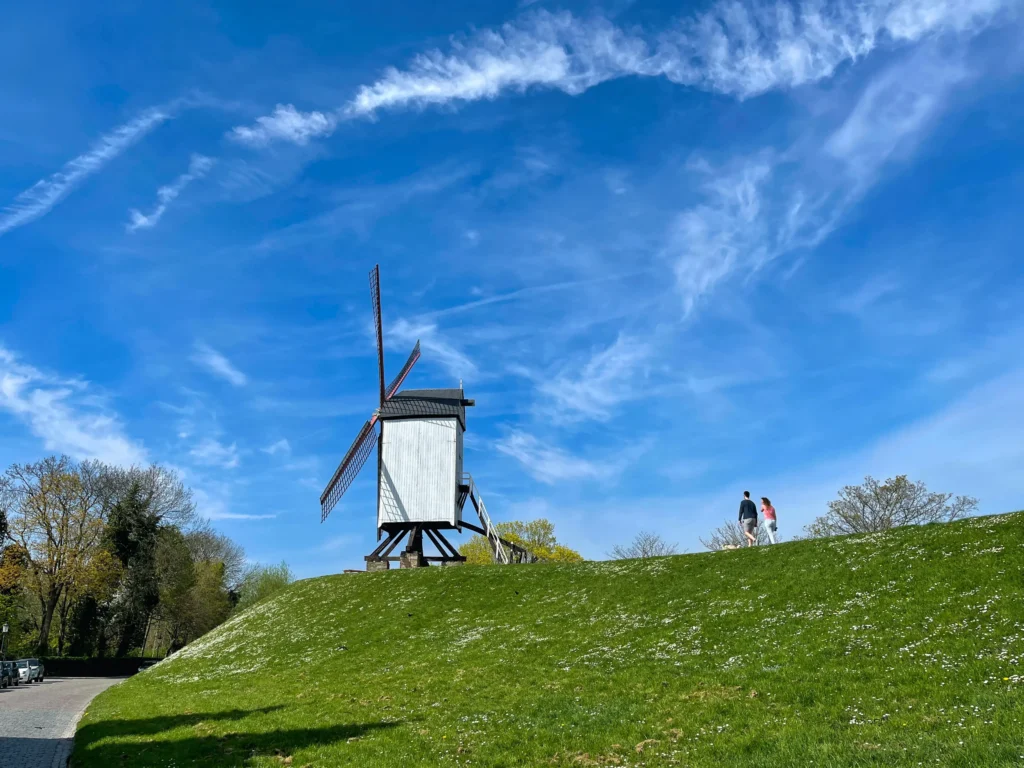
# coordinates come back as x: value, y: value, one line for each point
x: 82, y: 666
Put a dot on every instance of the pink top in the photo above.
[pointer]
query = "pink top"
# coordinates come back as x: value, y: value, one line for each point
x: 769, y: 513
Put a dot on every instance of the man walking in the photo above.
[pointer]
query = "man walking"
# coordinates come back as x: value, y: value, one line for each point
x: 748, y: 519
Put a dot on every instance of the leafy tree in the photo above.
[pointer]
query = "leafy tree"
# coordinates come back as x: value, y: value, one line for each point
x: 645, y: 544
x: 538, y: 536
x: 729, y: 535
x: 260, y: 582
x: 95, y: 584
x: 176, y: 577
x: 205, y: 605
x: 99, y: 558
x: 194, y: 582
x: 207, y: 546
x: 13, y: 561
x: 874, y: 506
x: 131, y: 537
x: 54, y: 512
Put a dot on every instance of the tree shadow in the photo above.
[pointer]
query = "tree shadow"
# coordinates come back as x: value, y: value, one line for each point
x: 134, y: 743
x: 149, y: 726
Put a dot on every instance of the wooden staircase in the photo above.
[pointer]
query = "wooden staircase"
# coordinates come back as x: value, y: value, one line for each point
x: 504, y: 551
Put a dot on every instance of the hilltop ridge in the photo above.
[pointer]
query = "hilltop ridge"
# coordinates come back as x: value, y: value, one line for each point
x: 901, y: 648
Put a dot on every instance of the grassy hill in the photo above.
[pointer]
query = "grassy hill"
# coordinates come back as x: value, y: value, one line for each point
x: 904, y: 648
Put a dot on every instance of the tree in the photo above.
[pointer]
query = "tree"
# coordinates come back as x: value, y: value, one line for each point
x: 88, y: 595
x: 645, y: 544
x: 131, y: 537
x: 729, y: 534
x: 13, y: 561
x: 55, y: 514
x: 874, y: 506
x: 205, y: 605
x: 207, y: 546
x: 260, y: 582
x: 538, y: 536
x: 176, y: 576
x: 160, y: 490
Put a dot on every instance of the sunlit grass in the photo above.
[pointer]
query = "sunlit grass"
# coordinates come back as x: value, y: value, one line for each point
x: 902, y: 648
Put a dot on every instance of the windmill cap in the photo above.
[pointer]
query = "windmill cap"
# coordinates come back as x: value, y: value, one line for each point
x: 426, y: 404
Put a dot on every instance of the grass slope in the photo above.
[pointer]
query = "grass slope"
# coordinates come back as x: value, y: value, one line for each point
x: 902, y: 648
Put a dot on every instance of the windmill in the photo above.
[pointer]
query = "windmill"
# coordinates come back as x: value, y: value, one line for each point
x: 421, y: 487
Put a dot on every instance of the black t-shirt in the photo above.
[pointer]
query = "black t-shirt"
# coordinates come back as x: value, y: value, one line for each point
x: 747, y: 510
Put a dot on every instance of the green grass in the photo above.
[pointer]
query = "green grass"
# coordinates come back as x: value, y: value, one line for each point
x: 903, y: 648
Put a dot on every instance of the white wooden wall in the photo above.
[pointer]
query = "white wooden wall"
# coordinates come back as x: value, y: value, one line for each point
x: 420, y: 461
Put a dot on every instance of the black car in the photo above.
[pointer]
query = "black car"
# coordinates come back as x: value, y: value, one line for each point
x: 9, y: 674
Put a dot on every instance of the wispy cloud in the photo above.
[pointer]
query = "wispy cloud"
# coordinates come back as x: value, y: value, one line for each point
x: 213, y: 501
x: 524, y: 293
x: 893, y: 111
x: 868, y: 294
x: 64, y: 414
x: 198, y: 167
x: 773, y: 203
x: 285, y: 124
x: 213, y: 453
x: 360, y: 207
x: 592, y: 389
x: 741, y: 49
x: 551, y: 464
x: 281, y: 446
x: 440, y: 350
x: 214, y: 362
x: 713, y: 239
x: 38, y: 199
x: 216, y: 515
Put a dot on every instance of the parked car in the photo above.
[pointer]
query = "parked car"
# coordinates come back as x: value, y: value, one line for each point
x: 30, y: 670
x: 5, y: 675
x: 12, y: 672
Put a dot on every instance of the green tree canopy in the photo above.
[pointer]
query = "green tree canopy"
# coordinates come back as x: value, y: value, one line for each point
x: 538, y: 536
x: 260, y: 582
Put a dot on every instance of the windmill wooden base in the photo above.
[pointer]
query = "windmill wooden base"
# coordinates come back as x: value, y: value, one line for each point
x: 413, y: 556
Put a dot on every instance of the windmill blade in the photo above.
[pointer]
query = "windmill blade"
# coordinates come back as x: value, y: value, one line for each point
x: 394, y: 385
x: 346, y: 472
x: 375, y: 300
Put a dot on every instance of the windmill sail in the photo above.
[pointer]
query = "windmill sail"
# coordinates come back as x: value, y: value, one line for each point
x: 394, y: 385
x: 346, y: 472
x: 375, y: 300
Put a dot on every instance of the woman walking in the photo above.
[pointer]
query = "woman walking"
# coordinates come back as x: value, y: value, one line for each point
x: 770, y: 524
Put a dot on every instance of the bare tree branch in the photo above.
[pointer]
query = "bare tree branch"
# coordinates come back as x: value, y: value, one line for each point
x: 729, y: 535
x: 645, y: 544
x: 874, y: 506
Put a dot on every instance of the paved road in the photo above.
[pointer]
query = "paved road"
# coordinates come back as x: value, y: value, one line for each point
x: 37, y: 721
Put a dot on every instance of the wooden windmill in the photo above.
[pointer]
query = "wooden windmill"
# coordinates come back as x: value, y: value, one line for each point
x: 421, y: 486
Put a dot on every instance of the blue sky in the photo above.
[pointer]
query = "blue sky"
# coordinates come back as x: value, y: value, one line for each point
x: 673, y: 251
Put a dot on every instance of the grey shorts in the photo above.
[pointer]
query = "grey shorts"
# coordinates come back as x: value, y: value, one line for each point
x: 749, y: 524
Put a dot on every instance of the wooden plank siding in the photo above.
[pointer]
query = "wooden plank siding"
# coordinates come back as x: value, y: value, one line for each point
x: 421, y: 460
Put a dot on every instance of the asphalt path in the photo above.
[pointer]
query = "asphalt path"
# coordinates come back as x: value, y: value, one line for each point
x: 37, y: 721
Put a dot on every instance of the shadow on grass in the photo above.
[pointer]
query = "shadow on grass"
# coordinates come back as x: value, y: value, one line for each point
x: 138, y: 742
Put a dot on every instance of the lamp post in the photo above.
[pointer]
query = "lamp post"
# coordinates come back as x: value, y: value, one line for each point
x: 3, y: 643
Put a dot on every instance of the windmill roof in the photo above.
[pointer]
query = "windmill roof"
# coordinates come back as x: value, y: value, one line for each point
x: 425, y: 404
